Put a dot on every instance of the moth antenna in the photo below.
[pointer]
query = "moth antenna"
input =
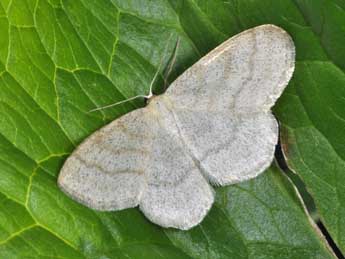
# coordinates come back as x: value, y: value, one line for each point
x: 151, y: 84
x: 171, y: 63
x: 153, y: 81
x: 120, y: 102
x: 160, y: 65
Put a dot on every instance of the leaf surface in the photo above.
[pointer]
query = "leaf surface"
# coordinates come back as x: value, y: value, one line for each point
x: 312, y: 114
x: 60, y: 59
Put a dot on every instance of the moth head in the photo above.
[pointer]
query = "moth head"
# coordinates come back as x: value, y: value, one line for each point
x: 152, y: 100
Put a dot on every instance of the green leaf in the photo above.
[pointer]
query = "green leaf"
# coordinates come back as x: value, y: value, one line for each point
x: 312, y: 113
x: 61, y: 58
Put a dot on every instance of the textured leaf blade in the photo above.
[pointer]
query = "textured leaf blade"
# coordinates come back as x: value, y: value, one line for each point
x: 312, y: 113
x: 60, y: 59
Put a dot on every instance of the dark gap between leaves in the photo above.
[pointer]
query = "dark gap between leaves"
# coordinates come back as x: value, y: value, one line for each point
x: 307, y: 200
x: 329, y: 239
x: 297, y: 181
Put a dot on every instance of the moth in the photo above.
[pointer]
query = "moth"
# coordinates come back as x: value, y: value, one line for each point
x: 212, y: 127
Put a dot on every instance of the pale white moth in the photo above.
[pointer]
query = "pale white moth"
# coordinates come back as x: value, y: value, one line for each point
x: 213, y: 126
